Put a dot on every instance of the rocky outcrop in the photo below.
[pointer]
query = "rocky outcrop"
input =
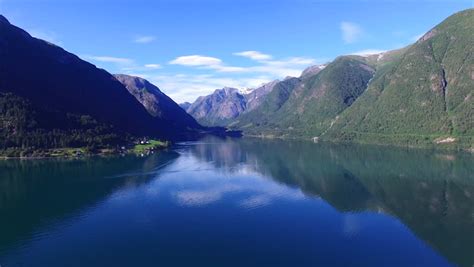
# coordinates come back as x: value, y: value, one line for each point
x: 228, y: 103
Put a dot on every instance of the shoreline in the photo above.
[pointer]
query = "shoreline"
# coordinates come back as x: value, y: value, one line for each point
x: 139, y: 149
x: 432, y: 146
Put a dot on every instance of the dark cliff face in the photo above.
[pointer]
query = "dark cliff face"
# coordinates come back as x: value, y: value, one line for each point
x: 156, y: 102
x: 51, y: 78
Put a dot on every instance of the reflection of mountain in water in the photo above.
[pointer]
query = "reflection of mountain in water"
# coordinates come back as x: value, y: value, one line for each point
x: 430, y: 192
x: 52, y: 190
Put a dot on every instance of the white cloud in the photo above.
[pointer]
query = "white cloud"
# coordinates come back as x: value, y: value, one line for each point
x: 281, y: 68
x: 187, y: 87
x: 109, y: 59
x: 196, y: 60
x: 368, y: 52
x: 205, y: 62
x: 254, y: 55
x: 351, y: 32
x: 153, y: 66
x: 223, y: 68
x: 144, y: 39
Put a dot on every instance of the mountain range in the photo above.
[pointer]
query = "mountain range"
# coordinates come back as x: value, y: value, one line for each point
x: 418, y: 95
x: 225, y: 104
x: 52, y: 98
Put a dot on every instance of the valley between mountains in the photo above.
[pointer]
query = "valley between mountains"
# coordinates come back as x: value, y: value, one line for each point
x: 421, y: 95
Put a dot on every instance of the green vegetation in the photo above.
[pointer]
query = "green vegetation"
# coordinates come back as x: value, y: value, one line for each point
x: 148, y: 146
x: 420, y: 95
x: 306, y: 107
x: 27, y: 131
x: 25, y: 128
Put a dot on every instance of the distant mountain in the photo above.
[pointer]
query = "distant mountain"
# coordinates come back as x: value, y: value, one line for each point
x: 157, y: 103
x: 306, y: 106
x: 223, y: 104
x: 185, y: 105
x: 425, y: 95
x: 221, y: 108
x: 50, y: 97
x: 226, y: 104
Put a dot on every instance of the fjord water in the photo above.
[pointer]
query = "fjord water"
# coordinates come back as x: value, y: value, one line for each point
x: 241, y: 202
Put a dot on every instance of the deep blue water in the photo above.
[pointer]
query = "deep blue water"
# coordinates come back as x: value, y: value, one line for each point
x: 241, y: 202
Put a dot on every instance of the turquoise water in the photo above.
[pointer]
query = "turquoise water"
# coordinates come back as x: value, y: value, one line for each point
x: 241, y: 202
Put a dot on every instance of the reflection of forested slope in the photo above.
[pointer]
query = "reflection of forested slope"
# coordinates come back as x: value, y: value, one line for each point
x: 430, y: 192
x: 36, y: 193
x: 433, y: 194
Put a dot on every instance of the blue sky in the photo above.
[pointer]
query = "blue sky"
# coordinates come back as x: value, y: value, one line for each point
x: 189, y: 48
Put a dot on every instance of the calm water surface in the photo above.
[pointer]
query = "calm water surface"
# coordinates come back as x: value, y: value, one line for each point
x: 241, y: 203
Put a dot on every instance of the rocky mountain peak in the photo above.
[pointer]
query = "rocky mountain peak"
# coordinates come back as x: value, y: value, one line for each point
x: 313, y: 70
x: 228, y: 90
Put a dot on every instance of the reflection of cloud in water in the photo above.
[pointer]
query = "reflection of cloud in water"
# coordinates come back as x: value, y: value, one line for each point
x: 205, y: 196
x: 269, y: 194
x: 256, y: 202
x: 256, y: 192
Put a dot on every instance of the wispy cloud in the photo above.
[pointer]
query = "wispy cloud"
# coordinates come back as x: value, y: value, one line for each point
x: 351, y: 32
x: 368, y: 52
x: 153, y: 66
x: 145, y: 39
x: 110, y: 59
x: 254, y: 55
x: 281, y: 68
x: 205, y: 62
x: 187, y: 87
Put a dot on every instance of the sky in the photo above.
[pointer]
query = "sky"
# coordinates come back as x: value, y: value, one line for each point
x: 189, y: 48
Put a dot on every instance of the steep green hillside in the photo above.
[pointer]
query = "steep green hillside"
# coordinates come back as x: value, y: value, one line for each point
x: 425, y: 96
x: 307, y: 106
x: 50, y: 98
x: 25, y: 129
x: 261, y: 117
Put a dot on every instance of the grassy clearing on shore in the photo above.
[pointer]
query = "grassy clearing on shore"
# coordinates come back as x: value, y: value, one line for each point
x: 150, y: 146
